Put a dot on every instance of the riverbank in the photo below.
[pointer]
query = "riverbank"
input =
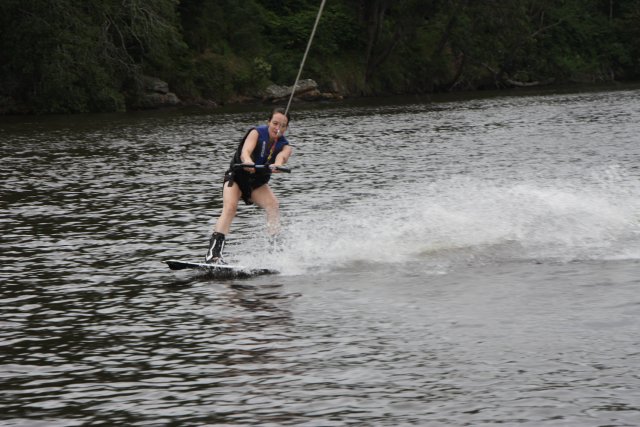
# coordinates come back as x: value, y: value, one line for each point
x: 309, y: 102
x: 243, y: 104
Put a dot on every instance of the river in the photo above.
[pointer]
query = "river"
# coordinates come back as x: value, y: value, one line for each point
x: 445, y: 263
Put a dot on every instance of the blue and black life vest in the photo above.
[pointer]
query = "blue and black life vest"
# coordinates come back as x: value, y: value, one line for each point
x: 265, y: 153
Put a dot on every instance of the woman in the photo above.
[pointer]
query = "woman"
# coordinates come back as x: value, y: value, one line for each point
x: 262, y: 146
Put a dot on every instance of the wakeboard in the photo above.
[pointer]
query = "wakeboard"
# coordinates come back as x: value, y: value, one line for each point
x: 219, y: 270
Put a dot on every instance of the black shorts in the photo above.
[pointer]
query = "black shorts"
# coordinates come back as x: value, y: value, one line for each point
x: 246, y: 181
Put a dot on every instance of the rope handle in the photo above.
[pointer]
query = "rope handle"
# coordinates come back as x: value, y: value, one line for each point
x: 251, y: 165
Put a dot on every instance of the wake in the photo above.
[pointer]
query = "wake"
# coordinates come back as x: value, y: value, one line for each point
x: 472, y: 219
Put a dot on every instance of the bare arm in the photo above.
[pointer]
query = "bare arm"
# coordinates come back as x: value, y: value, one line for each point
x: 248, y: 147
x: 283, y: 156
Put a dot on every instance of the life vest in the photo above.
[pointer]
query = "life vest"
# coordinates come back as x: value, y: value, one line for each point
x: 264, y: 153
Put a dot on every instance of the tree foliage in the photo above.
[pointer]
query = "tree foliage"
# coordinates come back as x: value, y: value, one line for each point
x: 69, y: 56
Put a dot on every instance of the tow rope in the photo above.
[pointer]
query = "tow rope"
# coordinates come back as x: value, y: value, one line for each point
x: 304, y: 58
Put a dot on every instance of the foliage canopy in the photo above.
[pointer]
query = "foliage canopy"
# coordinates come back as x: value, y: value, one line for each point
x: 68, y: 56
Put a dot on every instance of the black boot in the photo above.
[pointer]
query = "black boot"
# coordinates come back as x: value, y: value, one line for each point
x: 216, y: 244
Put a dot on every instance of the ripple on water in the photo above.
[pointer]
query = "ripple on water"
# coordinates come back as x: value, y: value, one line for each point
x: 476, y: 265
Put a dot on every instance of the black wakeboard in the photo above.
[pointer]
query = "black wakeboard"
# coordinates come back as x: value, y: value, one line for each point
x: 219, y: 270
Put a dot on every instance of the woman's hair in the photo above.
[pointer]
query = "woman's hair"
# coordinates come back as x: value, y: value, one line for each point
x: 281, y: 111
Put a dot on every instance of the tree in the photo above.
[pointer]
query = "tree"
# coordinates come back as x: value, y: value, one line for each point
x: 68, y: 56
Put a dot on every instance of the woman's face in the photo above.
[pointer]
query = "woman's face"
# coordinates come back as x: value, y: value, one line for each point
x: 277, y: 125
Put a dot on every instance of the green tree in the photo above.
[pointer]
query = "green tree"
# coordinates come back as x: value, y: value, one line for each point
x: 70, y: 56
x: 67, y: 56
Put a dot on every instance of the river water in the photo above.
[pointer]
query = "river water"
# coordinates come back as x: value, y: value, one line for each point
x: 460, y: 262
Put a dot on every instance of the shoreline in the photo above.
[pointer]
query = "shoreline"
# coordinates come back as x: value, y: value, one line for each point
x: 256, y: 105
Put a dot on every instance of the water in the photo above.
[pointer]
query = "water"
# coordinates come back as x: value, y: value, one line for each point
x: 467, y: 262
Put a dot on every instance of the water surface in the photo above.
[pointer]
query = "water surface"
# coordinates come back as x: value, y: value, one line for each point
x: 469, y: 262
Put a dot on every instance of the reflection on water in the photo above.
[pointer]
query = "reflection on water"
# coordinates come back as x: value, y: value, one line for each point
x: 453, y: 263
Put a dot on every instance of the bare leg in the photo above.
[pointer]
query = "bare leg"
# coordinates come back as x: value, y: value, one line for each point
x: 230, y: 198
x: 264, y: 197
